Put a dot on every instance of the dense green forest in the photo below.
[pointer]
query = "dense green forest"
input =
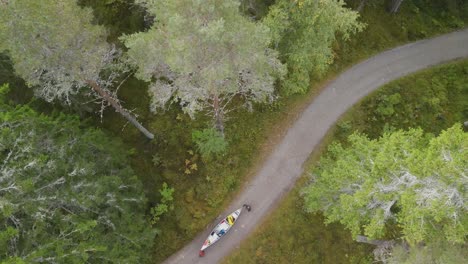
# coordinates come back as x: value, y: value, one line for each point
x: 169, y: 106
x: 68, y: 192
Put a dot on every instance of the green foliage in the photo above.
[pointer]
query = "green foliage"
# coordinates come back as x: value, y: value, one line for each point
x: 210, y: 143
x: 54, y: 46
x: 9, y: 233
x: 157, y: 160
x: 387, y: 104
x: 118, y: 16
x: 201, y: 54
x: 255, y: 8
x: 433, y: 99
x: 291, y: 235
x: 438, y: 251
x: 13, y: 260
x: 67, y: 194
x: 4, y: 89
x: 304, y: 31
x: 416, y: 19
x: 164, y: 206
x: 403, y: 176
x: 166, y: 193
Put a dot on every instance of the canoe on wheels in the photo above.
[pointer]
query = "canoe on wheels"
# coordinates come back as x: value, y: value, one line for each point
x: 221, y: 229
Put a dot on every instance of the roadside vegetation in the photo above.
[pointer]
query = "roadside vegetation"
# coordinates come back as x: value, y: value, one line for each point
x: 189, y: 171
x: 374, y: 115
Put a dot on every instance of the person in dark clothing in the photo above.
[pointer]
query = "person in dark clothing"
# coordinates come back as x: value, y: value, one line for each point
x: 247, y: 207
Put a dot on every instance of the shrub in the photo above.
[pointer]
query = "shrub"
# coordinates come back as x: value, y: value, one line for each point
x: 209, y: 142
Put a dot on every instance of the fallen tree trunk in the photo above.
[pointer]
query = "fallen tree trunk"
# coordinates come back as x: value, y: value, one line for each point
x: 106, y: 96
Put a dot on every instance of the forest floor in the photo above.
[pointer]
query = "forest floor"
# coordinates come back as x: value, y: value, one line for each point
x: 284, y: 166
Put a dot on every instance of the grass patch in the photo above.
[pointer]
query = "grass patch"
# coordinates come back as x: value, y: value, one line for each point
x: 433, y: 99
x: 289, y: 235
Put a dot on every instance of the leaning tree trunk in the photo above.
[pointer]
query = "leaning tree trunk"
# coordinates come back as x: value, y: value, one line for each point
x: 395, y: 5
x: 218, y: 115
x: 106, y: 96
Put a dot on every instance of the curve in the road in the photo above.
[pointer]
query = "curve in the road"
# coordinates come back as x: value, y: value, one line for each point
x: 280, y: 171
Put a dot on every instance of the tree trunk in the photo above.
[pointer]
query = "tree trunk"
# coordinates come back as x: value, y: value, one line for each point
x: 106, y: 96
x: 361, y: 5
x: 364, y: 239
x: 395, y: 5
x: 383, y: 248
x: 218, y: 115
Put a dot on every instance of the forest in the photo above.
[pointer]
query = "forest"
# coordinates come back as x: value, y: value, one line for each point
x: 128, y: 126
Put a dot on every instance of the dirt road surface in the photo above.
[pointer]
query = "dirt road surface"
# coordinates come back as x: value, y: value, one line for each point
x: 284, y: 165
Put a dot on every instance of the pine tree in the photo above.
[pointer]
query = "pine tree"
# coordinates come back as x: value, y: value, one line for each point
x: 303, y: 32
x: 58, y: 51
x: 202, y: 54
x: 67, y: 194
x: 406, y: 178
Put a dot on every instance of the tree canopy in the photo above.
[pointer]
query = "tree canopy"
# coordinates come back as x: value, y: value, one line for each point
x: 67, y: 194
x: 201, y: 54
x: 304, y: 31
x: 409, y: 178
x: 57, y: 50
x: 53, y: 45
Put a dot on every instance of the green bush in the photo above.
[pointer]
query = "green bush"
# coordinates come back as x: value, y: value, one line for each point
x: 164, y: 206
x: 210, y: 143
x: 387, y: 104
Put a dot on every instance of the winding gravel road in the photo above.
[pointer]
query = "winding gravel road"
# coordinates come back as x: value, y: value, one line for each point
x: 281, y: 169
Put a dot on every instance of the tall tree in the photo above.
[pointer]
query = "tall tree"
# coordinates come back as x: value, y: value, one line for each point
x: 407, y: 178
x: 304, y: 31
x: 57, y: 49
x: 67, y: 195
x: 202, y: 54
